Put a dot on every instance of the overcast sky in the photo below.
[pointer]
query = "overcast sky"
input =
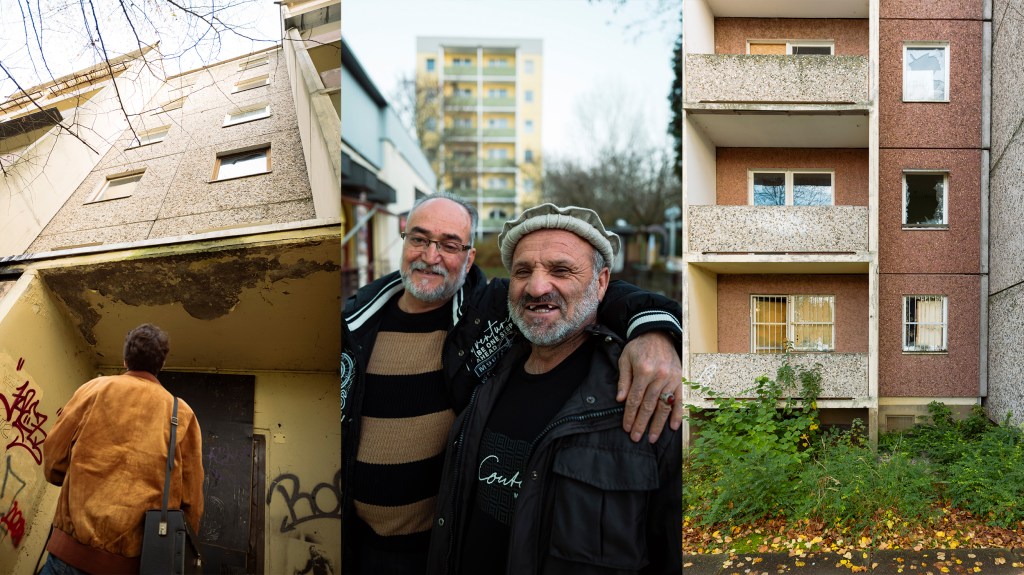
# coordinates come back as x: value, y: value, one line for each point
x: 69, y: 47
x: 589, y: 49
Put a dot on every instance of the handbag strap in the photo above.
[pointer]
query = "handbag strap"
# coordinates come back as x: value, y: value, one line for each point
x: 170, y: 462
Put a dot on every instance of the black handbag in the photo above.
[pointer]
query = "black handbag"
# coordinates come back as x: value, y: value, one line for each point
x: 168, y: 544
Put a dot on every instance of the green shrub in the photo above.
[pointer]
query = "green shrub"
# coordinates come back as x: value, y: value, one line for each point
x: 988, y: 480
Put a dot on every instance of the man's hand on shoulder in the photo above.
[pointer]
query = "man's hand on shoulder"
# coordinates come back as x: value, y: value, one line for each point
x: 650, y: 366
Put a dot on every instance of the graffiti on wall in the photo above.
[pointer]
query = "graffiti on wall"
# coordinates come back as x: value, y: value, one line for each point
x: 25, y: 423
x: 321, y: 502
x: 12, y: 523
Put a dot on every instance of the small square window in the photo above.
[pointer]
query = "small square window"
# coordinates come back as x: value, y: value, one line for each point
x: 117, y: 187
x: 247, y: 114
x: 924, y: 200
x: 926, y: 72
x: 151, y: 136
x: 250, y: 83
x: 430, y: 64
x: 240, y: 164
x: 924, y: 323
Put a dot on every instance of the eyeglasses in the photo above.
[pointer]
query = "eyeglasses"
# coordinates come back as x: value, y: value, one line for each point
x: 421, y: 243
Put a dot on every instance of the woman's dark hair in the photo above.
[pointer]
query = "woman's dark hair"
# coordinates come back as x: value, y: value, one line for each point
x: 145, y: 349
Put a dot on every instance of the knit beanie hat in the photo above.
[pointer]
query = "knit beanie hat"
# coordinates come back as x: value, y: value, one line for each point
x: 583, y: 222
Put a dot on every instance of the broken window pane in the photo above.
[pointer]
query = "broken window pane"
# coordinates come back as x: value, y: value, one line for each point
x: 812, y: 189
x: 925, y: 196
x: 924, y: 71
x: 769, y: 189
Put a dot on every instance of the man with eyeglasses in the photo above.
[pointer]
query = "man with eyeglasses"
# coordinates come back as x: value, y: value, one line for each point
x: 418, y: 341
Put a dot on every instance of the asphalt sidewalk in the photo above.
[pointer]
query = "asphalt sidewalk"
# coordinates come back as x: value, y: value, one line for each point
x: 924, y: 562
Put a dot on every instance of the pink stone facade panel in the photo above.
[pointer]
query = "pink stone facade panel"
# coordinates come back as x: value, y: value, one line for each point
x: 932, y: 9
x: 851, y: 37
x: 851, y: 306
x: 951, y: 374
x: 849, y: 165
x: 953, y: 124
x: 956, y: 249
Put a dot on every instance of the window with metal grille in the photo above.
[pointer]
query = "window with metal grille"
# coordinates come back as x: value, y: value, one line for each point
x: 924, y: 323
x: 799, y: 322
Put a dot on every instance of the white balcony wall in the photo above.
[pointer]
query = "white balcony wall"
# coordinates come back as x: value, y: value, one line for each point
x: 843, y: 375
x: 730, y: 78
x: 777, y: 229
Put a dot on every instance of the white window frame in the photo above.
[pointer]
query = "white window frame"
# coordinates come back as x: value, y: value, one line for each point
x: 789, y: 181
x: 152, y: 136
x: 254, y: 62
x: 946, y: 49
x: 790, y: 44
x: 265, y: 148
x: 791, y: 323
x: 108, y: 188
x: 945, y: 324
x: 945, y: 200
x: 251, y: 83
x: 240, y: 116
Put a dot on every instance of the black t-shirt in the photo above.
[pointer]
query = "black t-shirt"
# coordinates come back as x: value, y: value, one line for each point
x: 526, y: 406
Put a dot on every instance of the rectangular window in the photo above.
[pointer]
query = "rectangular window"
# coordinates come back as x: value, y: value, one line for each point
x: 117, y: 186
x: 430, y: 64
x: 254, y: 62
x: 527, y: 185
x: 528, y: 126
x: 528, y: 66
x: 796, y: 322
x: 247, y: 114
x: 926, y: 72
x: 497, y: 123
x: 462, y: 62
x: 924, y: 323
x: 528, y: 156
x: 528, y: 95
x: 172, y: 104
x: 791, y: 188
x: 151, y: 136
x: 495, y: 62
x: 497, y: 183
x: 497, y: 93
x: 924, y: 200
x: 497, y: 153
x: 250, y: 83
x: 791, y: 47
x: 464, y: 123
x: 239, y: 164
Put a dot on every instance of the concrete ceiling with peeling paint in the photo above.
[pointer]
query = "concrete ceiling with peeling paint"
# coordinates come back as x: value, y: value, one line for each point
x: 272, y: 306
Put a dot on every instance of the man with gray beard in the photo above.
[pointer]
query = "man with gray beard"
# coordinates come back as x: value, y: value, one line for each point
x: 417, y: 343
x: 539, y: 478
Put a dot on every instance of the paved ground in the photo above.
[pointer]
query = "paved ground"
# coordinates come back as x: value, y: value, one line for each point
x: 926, y: 562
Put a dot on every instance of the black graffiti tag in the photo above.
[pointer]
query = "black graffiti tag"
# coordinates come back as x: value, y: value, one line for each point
x: 304, y: 507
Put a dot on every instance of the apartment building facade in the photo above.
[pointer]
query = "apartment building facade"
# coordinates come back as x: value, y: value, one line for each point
x: 482, y: 113
x: 210, y: 212
x: 835, y: 187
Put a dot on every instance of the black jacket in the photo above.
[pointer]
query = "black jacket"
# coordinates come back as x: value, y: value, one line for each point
x: 479, y: 333
x: 592, y: 501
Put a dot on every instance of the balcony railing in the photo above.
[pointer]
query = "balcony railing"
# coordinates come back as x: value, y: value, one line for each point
x: 461, y: 164
x: 843, y: 375
x: 499, y: 132
x: 777, y: 229
x: 502, y: 193
x: 730, y: 78
x: 499, y: 71
x: 499, y: 163
x: 499, y: 102
x: 460, y: 70
x: 460, y: 132
x: 459, y: 101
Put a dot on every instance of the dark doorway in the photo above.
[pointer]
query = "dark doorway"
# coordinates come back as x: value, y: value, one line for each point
x: 223, y: 404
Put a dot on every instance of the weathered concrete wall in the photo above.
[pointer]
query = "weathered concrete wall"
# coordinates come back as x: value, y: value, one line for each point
x: 176, y: 195
x: 295, y: 412
x: 843, y: 375
x: 818, y: 79
x: 42, y: 361
x: 1006, y: 255
x: 950, y: 374
x: 777, y: 228
x: 850, y: 168
x: 851, y: 306
x: 937, y: 9
x: 850, y: 36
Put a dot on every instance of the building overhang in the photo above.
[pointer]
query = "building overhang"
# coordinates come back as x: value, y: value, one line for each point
x: 257, y: 303
x: 857, y: 263
x: 357, y: 180
x: 749, y: 126
x: 789, y: 9
x: 22, y: 125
